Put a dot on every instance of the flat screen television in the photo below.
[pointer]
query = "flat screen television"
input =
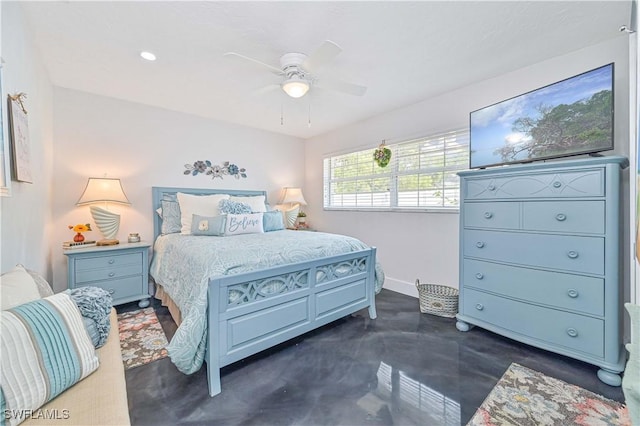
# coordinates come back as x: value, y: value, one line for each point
x: 570, y: 117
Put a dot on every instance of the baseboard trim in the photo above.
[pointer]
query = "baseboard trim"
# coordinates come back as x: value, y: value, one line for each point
x: 401, y: 287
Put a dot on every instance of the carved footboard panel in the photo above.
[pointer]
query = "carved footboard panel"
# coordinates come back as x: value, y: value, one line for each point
x: 251, y: 312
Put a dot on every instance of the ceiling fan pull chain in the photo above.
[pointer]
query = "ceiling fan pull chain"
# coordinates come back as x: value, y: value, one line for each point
x: 281, y: 114
x: 309, y: 122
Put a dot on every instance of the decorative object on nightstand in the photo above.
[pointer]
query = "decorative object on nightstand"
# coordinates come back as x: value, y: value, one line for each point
x: 293, y: 197
x: 104, y: 190
x: 79, y: 229
x: 302, y: 219
x: 121, y: 269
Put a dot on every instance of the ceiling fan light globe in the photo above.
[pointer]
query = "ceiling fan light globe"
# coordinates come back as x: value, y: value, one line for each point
x: 296, y: 88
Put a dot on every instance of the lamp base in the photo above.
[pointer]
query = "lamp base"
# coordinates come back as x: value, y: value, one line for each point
x: 107, y: 242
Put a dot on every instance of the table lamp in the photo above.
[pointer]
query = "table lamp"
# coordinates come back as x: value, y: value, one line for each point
x: 104, y: 190
x: 293, y: 197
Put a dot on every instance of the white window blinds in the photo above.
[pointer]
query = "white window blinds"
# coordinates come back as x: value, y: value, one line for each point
x: 421, y: 175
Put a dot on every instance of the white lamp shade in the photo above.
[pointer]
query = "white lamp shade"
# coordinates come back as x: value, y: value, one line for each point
x: 293, y: 196
x: 103, y: 190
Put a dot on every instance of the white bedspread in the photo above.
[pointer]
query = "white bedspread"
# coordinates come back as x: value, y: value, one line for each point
x: 183, y: 265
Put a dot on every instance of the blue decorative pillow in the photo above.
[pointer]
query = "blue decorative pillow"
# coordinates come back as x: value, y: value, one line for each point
x: 44, y: 350
x: 203, y: 225
x: 272, y: 221
x: 95, y: 306
x: 234, y: 207
x: 170, y: 217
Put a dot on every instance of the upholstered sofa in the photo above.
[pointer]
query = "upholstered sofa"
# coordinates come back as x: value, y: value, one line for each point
x: 100, y: 398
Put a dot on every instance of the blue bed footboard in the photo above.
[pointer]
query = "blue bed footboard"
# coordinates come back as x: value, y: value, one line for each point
x: 254, y: 311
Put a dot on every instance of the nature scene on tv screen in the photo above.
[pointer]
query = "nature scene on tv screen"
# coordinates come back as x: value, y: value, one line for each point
x: 565, y: 118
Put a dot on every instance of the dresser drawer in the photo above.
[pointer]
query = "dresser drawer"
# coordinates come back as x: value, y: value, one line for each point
x: 122, y: 288
x: 572, y: 331
x: 494, y: 215
x: 88, y: 275
x: 571, y: 253
x: 583, y: 183
x: 102, y: 261
x: 564, y: 216
x: 560, y: 290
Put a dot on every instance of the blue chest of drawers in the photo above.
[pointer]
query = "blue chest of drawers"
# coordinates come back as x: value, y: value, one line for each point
x: 122, y: 270
x: 540, y: 257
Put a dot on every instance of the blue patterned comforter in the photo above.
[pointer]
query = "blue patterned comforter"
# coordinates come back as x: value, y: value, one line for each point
x: 183, y: 264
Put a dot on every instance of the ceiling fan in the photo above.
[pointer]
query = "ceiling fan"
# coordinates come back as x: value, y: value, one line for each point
x: 299, y: 71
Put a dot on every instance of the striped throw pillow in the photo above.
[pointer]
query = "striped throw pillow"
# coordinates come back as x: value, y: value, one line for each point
x: 45, y: 349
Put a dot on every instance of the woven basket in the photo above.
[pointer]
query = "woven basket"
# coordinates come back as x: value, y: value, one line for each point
x: 438, y: 299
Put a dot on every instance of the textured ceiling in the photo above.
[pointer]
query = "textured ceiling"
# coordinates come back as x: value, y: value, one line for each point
x: 403, y: 52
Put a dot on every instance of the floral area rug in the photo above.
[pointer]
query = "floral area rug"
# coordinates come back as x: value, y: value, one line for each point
x: 527, y: 397
x: 142, y: 339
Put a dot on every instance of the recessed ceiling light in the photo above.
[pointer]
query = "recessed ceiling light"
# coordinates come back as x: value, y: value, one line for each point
x: 148, y: 56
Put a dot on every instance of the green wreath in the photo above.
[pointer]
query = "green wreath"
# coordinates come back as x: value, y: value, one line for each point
x: 382, y: 155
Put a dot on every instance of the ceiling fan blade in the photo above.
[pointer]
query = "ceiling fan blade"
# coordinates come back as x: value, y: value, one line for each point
x: 271, y: 68
x: 265, y: 90
x: 322, y: 56
x: 341, y: 86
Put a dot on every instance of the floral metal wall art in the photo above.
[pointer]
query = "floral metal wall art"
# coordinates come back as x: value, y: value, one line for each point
x: 215, y: 171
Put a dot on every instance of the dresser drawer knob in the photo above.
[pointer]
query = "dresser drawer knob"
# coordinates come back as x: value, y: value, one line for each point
x: 479, y: 275
x: 572, y: 293
x: 112, y: 261
x: 557, y: 184
x: 111, y: 291
x: 491, y: 187
x: 572, y: 254
x: 479, y: 306
x: 480, y: 244
x: 572, y: 332
x: 112, y: 274
x: 488, y: 215
x: 560, y: 217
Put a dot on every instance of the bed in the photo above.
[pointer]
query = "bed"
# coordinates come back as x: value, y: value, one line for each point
x: 235, y: 296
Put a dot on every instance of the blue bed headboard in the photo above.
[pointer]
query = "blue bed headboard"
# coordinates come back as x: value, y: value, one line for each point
x: 165, y: 193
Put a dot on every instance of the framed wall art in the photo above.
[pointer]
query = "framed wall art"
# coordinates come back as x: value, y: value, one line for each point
x: 5, y: 165
x: 19, y: 131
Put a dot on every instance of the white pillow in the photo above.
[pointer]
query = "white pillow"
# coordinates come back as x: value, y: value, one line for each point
x: 256, y: 202
x: 250, y: 223
x: 17, y: 287
x: 202, y: 205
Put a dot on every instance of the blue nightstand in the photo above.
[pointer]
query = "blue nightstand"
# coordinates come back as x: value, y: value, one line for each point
x: 122, y: 270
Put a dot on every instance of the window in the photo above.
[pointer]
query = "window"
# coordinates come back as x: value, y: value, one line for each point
x: 421, y: 175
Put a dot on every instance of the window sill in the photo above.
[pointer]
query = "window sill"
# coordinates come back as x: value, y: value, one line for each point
x: 455, y: 210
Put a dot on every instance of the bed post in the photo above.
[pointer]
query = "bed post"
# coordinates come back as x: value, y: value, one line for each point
x: 371, y: 285
x: 213, y: 351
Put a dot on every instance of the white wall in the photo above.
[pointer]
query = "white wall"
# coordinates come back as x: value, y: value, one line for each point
x: 147, y: 146
x: 425, y: 245
x: 26, y: 214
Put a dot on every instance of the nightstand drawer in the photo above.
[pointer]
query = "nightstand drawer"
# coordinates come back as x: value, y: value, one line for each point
x: 564, y: 216
x: 84, y: 276
x: 577, y: 332
x: 492, y: 215
x: 121, y: 288
x: 564, y: 291
x: 571, y: 253
x: 583, y: 183
x: 110, y: 260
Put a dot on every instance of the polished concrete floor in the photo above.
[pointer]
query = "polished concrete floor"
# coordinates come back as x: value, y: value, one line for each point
x: 404, y: 368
